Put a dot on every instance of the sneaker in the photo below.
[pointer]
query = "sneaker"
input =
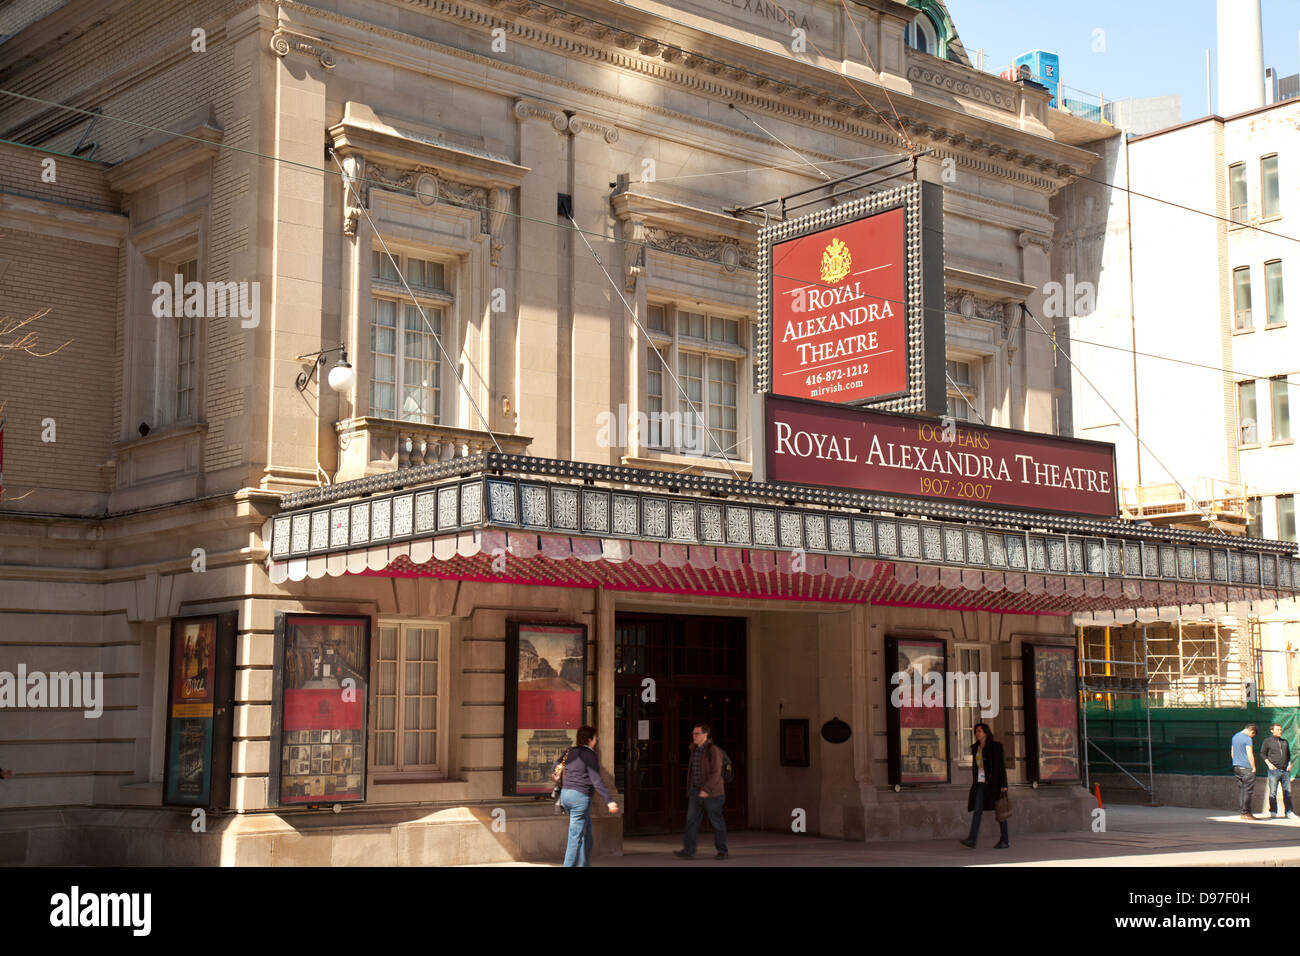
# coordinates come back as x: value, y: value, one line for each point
x: 683, y: 854
x: 1248, y: 816
x: 1292, y: 816
x: 722, y: 855
x: 1003, y: 845
x: 969, y: 843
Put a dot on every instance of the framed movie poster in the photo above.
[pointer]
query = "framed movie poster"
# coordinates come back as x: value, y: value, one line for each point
x: 916, y: 712
x: 318, y: 727
x: 546, y: 680
x: 1051, y: 712
x: 794, y: 743
x: 200, y: 711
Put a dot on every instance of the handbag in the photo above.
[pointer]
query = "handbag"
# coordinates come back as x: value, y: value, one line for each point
x: 557, y: 777
x: 1002, y: 809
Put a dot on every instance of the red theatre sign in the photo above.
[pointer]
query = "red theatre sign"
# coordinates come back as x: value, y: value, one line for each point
x: 815, y: 443
x: 839, y: 316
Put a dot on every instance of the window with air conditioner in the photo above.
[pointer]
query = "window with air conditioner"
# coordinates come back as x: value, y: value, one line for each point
x: 1249, y: 415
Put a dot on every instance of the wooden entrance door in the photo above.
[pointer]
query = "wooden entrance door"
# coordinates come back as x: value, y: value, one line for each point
x: 672, y: 672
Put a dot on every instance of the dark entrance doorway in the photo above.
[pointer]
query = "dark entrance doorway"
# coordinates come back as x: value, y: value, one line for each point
x: 697, y: 665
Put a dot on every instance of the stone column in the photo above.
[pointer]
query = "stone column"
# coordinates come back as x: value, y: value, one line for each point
x: 599, y: 317
x: 544, y: 153
x: 297, y: 252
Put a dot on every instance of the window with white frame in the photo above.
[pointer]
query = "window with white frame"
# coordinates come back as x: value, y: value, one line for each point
x: 405, y: 361
x: 1286, y: 517
x: 1280, y: 395
x: 963, y: 385
x: 921, y: 35
x: 408, y: 674
x: 1241, y: 298
x: 1238, y: 197
x: 1273, y: 292
x: 972, y: 659
x: 708, y: 354
x: 1270, y: 195
x: 1248, y: 412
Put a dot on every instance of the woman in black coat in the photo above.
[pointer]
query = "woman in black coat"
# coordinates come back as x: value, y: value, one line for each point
x: 988, y: 782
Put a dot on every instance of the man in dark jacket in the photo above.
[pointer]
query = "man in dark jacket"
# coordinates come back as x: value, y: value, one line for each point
x: 704, y: 785
x: 1276, y: 753
x: 988, y: 783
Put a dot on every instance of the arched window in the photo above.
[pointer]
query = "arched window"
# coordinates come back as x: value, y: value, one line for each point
x: 921, y: 35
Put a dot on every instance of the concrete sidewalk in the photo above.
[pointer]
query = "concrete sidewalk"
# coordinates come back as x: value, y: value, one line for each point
x: 1135, y: 836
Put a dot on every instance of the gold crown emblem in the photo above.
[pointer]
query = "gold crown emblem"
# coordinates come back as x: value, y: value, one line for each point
x: 836, y: 262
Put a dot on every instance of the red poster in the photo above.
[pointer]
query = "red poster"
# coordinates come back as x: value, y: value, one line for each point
x: 839, y: 317
x: 1055, y: 713
x: 550, y: 667
x: 323, y: 735
x: 922, y: 720
x: 815, y: 443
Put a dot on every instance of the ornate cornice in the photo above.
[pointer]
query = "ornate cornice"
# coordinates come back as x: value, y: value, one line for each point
x: 967, y: 304
x: 429, y: 185
x: 727, y: 253
x: 702, y: 75
x: 283, y: 42
x: 940, y: 79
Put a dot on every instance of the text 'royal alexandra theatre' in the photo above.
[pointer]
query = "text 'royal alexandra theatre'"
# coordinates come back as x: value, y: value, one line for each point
x: 466, y: 617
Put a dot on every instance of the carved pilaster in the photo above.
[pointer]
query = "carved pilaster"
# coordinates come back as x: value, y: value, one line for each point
x: 499, y: 207
x: 355, y: 192
x: 634, y: 256
x: 585, y: 124
x: 283, y: 42
x: 1027, y: 239
x: 529, y: 109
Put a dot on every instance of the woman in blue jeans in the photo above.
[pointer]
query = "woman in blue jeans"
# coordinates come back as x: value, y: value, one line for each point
x: 988, y: 782
x: 581, y: 777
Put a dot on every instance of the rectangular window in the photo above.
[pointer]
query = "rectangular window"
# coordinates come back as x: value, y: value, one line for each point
x: 707, y: 352
x: 963, y: 390
x: 1249, y: 413
x: 186, y: 340
x: 1286, y: 517
x: 405, y: 379
x: 1281, y: 401
x: 1254, y: 517
x: 970, y: 660
x: 1270, y: 196
x: 1237, y: 198
x: 1241, y: 298
x: 406, y: 698
x: 1273, y: 291
x: 654, y: 378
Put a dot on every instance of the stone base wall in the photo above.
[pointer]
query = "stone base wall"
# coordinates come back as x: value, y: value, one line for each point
x: 1190, y: 790
x: 399, y: 837
x: 943, y: 815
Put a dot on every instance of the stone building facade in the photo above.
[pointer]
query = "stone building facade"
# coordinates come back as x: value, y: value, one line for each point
x: 537, y: 173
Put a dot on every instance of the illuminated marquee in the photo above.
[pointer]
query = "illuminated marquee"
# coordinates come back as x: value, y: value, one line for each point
x: 843, y: 297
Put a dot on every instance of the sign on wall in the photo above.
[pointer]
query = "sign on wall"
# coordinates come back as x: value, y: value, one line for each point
x: 815, y: 443
x: 851, y: 303
x: 200, y: 710
x: 546, y: 676
x: 318, y: 730
x: 916, y: 720
x: 1051, y: 712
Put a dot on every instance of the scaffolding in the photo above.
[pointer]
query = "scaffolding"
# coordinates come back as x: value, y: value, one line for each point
x: 1102, y: 676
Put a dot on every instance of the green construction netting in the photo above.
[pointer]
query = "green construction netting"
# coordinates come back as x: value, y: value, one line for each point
x: 1190, y: 740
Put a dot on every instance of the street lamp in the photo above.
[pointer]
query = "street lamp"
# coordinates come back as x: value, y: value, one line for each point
x: 341, y: 375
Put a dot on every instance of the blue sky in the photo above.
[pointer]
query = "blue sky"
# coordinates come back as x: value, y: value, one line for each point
x: 1152, y: 47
